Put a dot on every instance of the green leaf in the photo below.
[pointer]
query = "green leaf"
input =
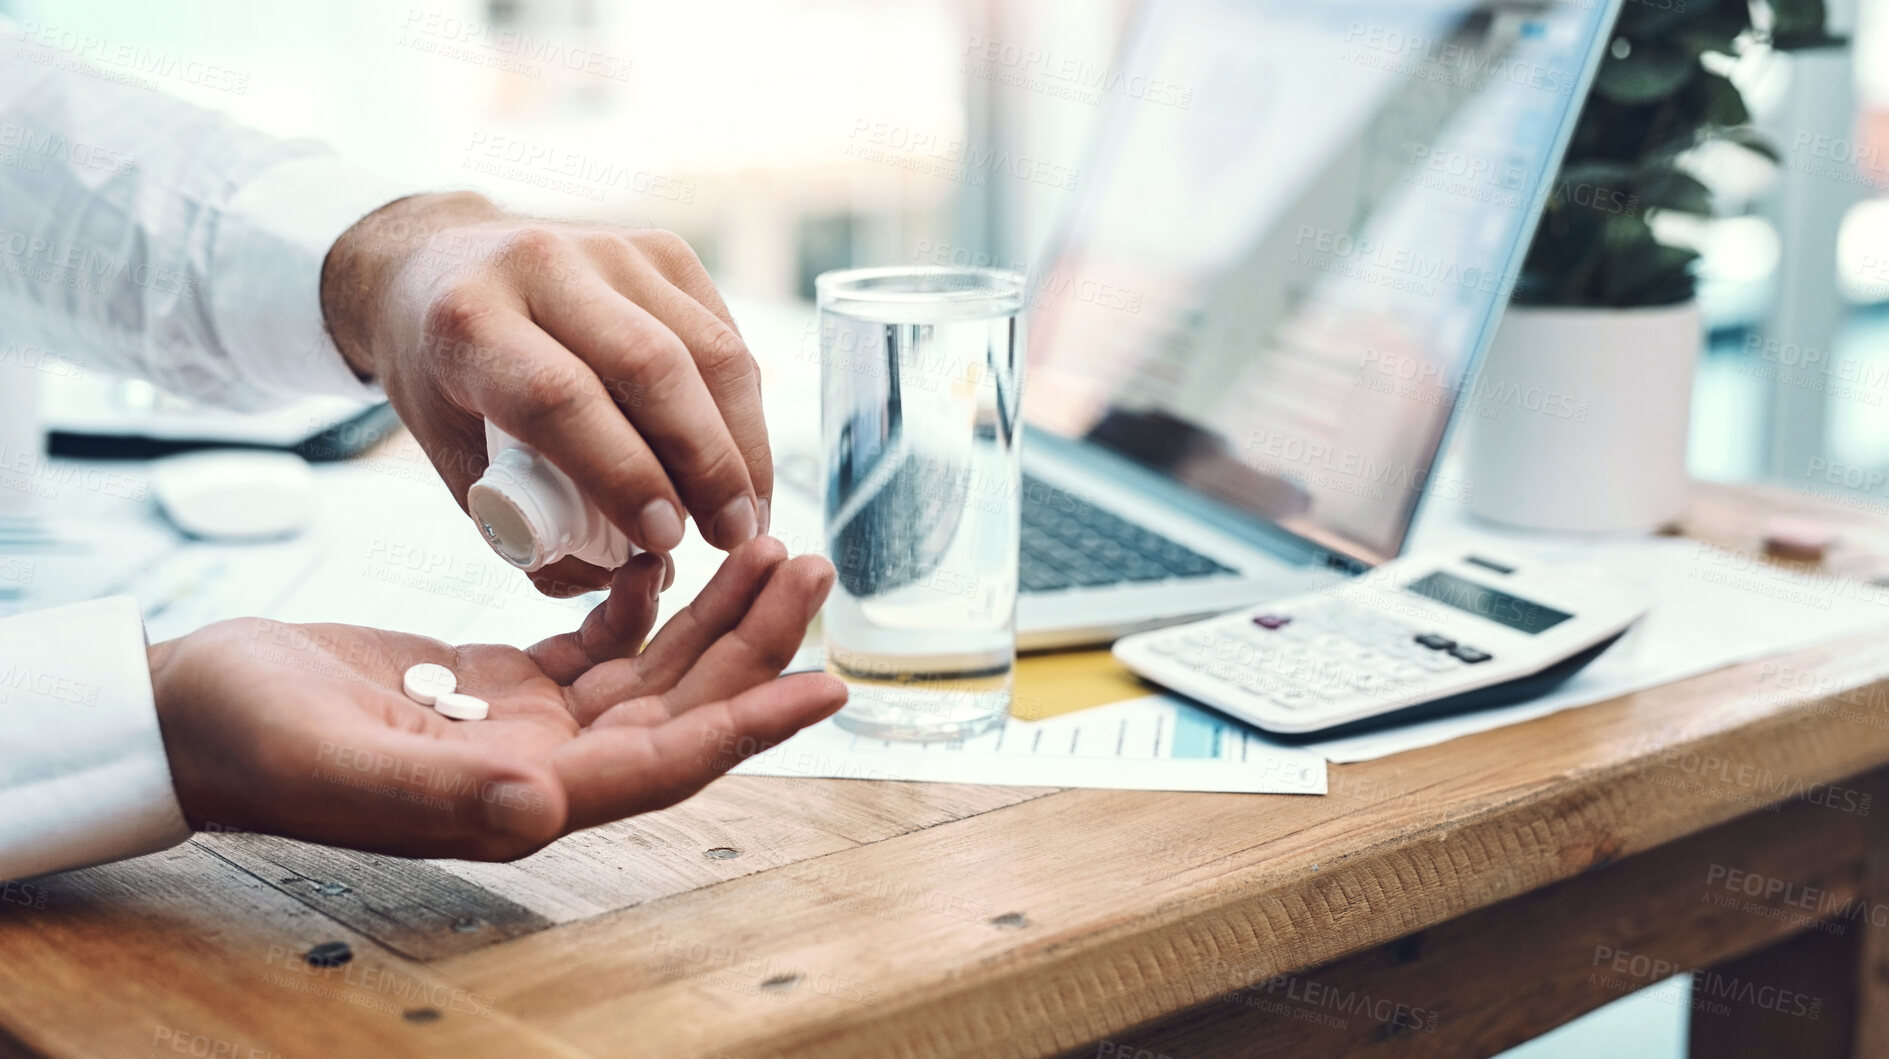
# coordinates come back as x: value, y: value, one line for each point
x: 1650, y: 72
x: 1678, y: 286
x: 1752, y: 140
x: 1641, y: 19
x: 1645, y: 110
x: 1565, y: 251
x: 1806, y: 41
x: 1797, y: 17
x: 1601, y: 188
x: 1719, y: 101
x: 1639, y: 269
x: 1671, y: 149
x: 1603, y: 174
x: 1717, y: 31
x: 1612, y: 131
x: 1800, y: 24
x: 1670, y: 189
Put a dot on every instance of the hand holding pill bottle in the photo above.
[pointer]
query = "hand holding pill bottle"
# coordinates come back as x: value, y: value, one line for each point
x: 605, y: 350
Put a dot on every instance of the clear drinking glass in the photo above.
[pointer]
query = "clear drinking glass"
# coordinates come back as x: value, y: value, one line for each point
x: 921, y: 390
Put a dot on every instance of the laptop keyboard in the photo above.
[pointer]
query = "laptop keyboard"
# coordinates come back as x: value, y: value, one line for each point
x: 1070, y: 543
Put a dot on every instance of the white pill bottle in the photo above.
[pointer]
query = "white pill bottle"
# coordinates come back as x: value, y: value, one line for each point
x: 532, y: 514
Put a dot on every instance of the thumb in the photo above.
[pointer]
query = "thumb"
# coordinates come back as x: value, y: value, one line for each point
x: 416, y: 795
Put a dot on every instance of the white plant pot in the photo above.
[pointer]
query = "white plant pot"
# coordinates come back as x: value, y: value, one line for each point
x: 1579, y: 418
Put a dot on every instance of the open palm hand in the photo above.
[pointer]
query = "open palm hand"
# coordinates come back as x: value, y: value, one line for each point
x: 304, y: 731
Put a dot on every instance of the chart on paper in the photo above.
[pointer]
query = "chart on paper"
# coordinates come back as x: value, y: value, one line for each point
x: 1150, y: 744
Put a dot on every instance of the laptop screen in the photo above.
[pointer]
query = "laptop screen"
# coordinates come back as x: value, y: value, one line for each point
x: 1275, y: 283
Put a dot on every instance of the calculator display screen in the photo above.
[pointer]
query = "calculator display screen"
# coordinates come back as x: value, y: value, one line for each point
x: 1486, y: 602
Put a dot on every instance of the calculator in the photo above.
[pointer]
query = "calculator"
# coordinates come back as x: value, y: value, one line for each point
x: 1417, y: 637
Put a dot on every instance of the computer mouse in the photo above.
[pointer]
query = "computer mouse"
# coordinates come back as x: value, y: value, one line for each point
x: 235, y: 495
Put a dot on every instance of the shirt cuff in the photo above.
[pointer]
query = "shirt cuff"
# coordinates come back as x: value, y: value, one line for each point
x: 84, y: 776
x: 266, y: 292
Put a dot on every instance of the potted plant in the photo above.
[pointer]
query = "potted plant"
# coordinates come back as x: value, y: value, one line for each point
x: 1604, y: 323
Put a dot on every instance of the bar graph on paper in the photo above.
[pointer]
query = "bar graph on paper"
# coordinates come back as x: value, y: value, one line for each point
x: 1154, y: 743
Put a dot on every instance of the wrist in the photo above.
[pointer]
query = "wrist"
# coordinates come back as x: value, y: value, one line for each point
x: 358, y: 275
x: 176, y: 750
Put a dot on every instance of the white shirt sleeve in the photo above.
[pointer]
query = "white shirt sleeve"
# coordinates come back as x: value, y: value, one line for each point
x: 149, y: 237
x: 83, y: 775
x: 144, y: 236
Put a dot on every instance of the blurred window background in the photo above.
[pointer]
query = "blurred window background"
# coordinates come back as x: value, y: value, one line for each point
x: 1795, y: 277
x: 786, y: 137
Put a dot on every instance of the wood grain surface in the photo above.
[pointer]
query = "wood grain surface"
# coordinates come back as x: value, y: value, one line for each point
x: 1489, y: 980
x: 774, y: 917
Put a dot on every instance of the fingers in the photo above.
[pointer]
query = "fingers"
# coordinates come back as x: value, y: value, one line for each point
x: 715, y: 610
x: 722, y: 358
x: 656, y: 381
x: 570, y: 577
x: 452, y: 439
x: 554, y: 403
x: 614, y: 629
x: 676, y: 260
x: 764, y: 642
x: 653, y: 409
x: 755, y: 651
x: 610, y: 773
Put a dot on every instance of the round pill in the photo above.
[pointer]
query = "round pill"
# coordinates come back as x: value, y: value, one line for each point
x: 462, y: 707
x: 428, y: 681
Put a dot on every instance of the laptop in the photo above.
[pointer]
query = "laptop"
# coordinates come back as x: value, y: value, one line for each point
x: 1273, y: 283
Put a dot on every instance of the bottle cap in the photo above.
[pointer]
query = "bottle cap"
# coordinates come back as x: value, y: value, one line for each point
x: 510, y: 510
x: 533, y: 515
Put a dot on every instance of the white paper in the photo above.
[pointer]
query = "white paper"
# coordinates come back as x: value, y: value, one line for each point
x: 1148, y: 744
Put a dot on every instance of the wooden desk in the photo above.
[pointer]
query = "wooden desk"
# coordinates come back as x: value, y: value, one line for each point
x: 1449, y: 901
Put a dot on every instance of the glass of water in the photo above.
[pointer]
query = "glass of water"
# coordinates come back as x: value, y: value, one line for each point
x: 921, y: 390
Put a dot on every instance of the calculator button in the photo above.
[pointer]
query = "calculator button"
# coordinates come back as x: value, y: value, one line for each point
x: 1435, y: 642
x: 1470, y: 654
x: 1272, y: 621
